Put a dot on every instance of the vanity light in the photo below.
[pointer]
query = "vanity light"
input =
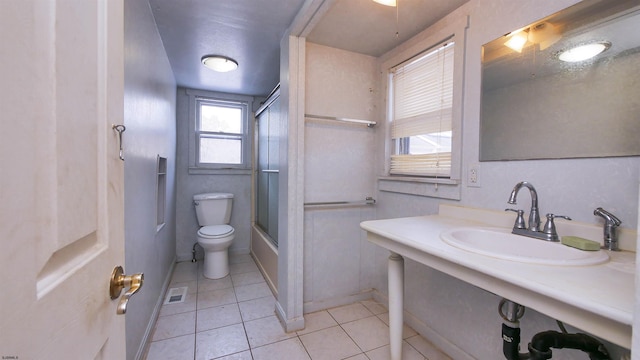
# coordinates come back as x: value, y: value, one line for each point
x: 386, y: 2
x: 584, y: 52
x: 219, y: 63
x: 516, y: 41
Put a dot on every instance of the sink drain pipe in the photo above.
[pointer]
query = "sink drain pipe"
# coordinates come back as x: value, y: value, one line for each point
x: 541, y: 343
x: 511, y: 313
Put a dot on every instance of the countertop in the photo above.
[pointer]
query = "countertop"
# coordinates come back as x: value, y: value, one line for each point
x: 598, y: 299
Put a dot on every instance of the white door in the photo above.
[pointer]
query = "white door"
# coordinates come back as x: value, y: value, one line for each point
x: 61, y: 180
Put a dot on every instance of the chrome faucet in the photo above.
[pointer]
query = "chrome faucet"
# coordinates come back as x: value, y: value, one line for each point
x: 534, y: 214
x: 533, y: 230
x: 611, y: 223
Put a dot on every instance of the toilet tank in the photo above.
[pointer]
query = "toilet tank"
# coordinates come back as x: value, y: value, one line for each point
x: 213, y: 208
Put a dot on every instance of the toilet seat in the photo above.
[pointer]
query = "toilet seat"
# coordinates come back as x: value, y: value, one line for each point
x: 215, y: 231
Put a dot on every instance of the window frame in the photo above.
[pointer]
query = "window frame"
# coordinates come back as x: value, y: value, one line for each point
x: 445, y: 188
x: 245, y: 103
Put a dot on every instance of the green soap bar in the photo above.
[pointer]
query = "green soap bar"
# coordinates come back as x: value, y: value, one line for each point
x: 581, y: 243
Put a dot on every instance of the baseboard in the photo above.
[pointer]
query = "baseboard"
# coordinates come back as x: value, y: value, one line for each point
x: 289, y: 325
x: 442, y: 343
x: 144, y: 344
x: 313, y: 306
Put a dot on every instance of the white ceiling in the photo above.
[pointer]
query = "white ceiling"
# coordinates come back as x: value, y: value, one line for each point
x: 249, y: 31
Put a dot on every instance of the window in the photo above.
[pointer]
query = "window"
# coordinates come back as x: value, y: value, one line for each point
x: 421, y: 100
x: 221, y: 133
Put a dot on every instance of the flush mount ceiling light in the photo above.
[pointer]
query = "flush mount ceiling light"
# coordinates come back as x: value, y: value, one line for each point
x: 219, y: 63
x: 583, y: 52
x: 386, y: 2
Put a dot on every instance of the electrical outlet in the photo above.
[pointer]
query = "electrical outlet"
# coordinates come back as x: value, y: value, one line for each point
x: 474, y: 176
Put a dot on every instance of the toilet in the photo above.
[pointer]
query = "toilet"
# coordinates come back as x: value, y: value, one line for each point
x: 215, y: 234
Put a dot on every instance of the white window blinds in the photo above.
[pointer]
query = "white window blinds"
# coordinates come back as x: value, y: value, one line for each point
x: 421, y: 93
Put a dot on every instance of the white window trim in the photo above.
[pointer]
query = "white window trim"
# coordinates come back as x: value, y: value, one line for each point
x: 428, y: 186
x: 220, y: 169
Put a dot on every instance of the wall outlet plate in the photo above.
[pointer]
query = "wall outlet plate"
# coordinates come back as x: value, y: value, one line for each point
x: 473, y: 176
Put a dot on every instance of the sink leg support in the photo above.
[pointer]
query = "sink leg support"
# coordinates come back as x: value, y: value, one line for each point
x: 396, y: 299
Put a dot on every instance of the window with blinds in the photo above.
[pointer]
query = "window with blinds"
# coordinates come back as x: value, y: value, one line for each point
x: 421, y: 93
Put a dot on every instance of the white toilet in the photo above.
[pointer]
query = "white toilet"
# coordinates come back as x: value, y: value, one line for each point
x: 215, y: 234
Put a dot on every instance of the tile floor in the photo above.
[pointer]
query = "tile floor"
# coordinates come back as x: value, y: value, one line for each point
x: 233, y: 319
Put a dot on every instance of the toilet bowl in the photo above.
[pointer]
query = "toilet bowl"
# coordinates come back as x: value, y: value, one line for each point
x: 215, y: 235
x: 215, y: 240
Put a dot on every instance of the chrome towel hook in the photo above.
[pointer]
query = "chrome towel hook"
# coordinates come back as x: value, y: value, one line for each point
x: 120, y: 129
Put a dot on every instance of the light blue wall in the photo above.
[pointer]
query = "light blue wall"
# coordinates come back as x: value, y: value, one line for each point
x: 150, y: 96
x: 237, y: 183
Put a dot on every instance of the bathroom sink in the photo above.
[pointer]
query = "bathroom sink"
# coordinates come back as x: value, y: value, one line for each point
x: 502, y: 244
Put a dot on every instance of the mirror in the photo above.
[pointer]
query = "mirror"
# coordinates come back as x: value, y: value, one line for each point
x: 535, y: 106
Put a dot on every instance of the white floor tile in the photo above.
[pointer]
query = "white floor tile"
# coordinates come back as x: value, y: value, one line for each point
x: 317, y: 321
x: 368, y: 333
x: 253, y: 291
x: 349, y: 313
x: 426, y: 348
x: 189, y: 304
x: 242, y: 267
x: 358, y: 357
x: 175, y: 325
x: 209, y: 324
x: 257, y: 308
x: 407, y: 332
x: 265, y: 331
x: 329, y: 344
x: 374, y: 306
x: 205, y: 284
x: 215, y: 298
x: 242, y: 258
x: 177, y: 348
x: 245, y: 355
x: 216, y: 317
x: 254, y: 277
x: 290, y: 349
x: 383, y: 353
x: 219, y: 342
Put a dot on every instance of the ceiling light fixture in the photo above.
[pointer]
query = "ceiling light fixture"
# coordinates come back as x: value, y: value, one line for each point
x: 219, y: 63
x: 386, y: 2
x: 516, y: 41
x: 584, y: 52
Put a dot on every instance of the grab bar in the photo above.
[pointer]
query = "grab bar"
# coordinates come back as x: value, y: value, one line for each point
x: 368, y: 201
x: 333, y: 118
x: 270, y: 171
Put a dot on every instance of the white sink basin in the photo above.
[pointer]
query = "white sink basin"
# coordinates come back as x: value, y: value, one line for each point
x: 501, y: 244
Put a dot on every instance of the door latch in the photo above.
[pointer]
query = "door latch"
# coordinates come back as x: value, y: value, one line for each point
x: 120, y: 281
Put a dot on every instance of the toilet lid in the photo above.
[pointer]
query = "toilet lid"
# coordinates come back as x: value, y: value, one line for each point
x: 215, y: 230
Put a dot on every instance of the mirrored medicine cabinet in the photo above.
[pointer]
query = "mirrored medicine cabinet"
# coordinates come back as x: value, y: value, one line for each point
x: 537, y: 106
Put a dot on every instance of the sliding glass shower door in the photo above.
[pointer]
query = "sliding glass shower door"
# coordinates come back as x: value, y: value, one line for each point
x: 268, y: 167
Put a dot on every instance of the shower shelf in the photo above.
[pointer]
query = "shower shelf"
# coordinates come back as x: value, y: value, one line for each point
x: 368, y: 201
x: 341, y: 119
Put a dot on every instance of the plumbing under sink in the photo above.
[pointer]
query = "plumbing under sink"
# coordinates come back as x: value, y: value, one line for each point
x: 501, y: 244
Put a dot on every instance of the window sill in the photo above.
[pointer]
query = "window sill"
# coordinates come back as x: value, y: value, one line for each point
x: 429, y: 187
x: 212, y: 171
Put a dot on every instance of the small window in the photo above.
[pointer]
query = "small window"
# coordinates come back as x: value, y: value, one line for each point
x: 221, y: 133
x: 421, y: 93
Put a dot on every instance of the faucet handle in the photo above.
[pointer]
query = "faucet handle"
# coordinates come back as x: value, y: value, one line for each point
x: 550, y: 226
x: 519, y: 224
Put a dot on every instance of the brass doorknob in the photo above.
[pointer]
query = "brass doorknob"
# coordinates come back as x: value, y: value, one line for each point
x: 120, y: 281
